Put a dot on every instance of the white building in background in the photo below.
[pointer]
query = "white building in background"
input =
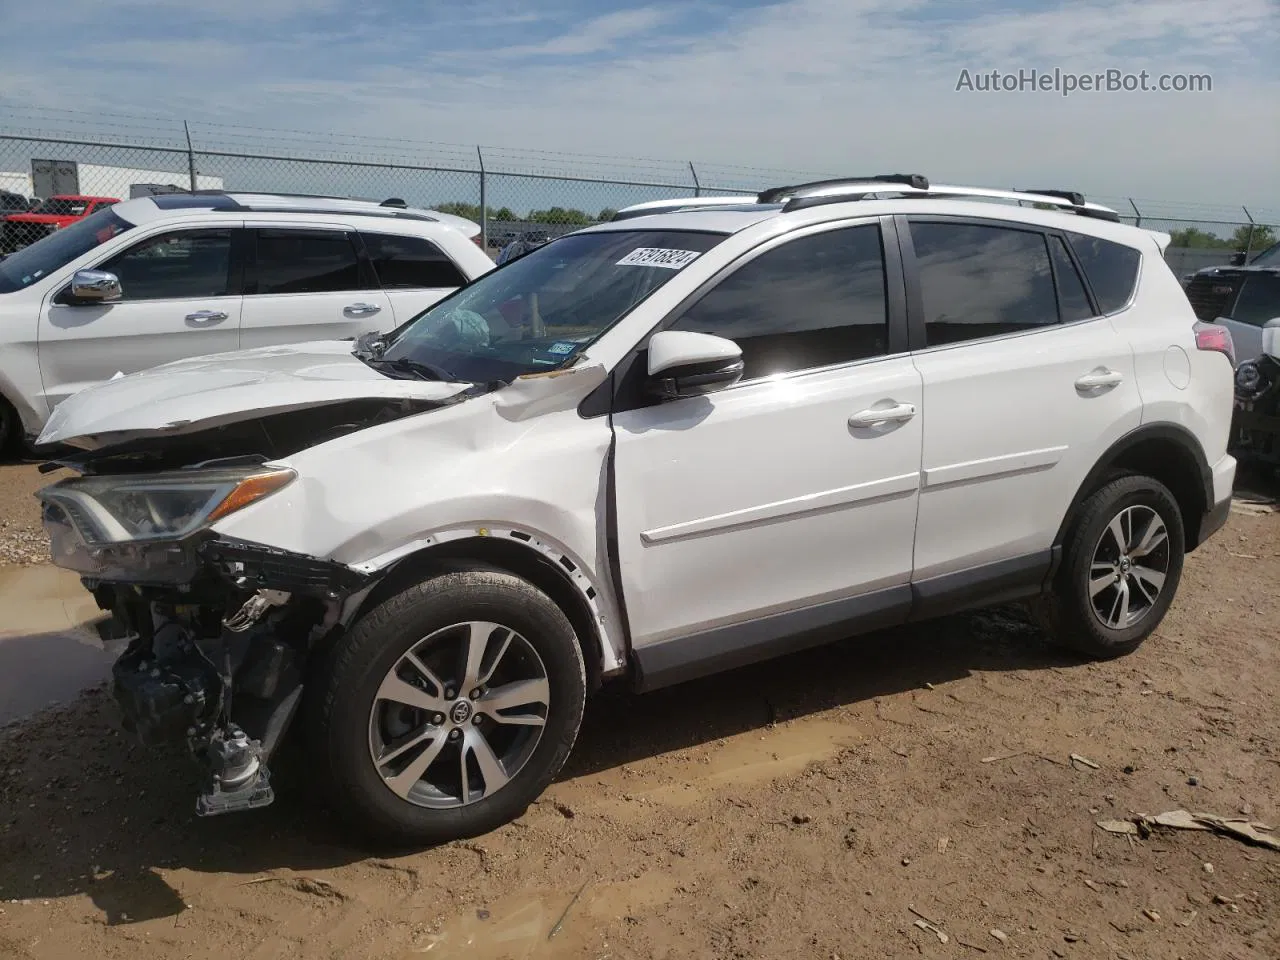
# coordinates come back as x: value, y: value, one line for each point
x: 48, y: 178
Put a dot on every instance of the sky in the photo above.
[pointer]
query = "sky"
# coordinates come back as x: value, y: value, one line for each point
x: 831, y: 86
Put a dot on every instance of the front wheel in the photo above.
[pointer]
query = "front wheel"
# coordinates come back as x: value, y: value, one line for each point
x: 450, y: 707
x: 1120, y: 569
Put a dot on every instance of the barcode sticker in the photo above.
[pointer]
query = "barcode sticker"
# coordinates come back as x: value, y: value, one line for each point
x: 658, y: 257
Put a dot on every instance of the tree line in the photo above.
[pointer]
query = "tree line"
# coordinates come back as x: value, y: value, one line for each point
x: 569, y: 216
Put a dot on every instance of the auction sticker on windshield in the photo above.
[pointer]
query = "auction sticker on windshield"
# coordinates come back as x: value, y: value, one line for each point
x: 658, y: 257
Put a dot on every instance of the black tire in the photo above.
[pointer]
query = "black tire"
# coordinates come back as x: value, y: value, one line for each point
x: 1068, y: 612
x: 353, y: 671
x: 10, y: 430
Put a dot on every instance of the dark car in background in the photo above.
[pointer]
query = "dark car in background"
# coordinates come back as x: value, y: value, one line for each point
x: 1240, y: 296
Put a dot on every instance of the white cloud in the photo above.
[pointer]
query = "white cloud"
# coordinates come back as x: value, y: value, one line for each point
x: 596, y: 35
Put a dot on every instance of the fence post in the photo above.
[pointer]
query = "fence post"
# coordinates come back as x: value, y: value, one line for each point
x: 1136, y: 213
x: 1248, y: 245
x: 697, y: 185
x: 191, y: 156
x: 484, y: 206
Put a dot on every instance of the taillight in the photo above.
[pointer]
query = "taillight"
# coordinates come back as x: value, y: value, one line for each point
x: 478, y: 240
x: 1216, y: 339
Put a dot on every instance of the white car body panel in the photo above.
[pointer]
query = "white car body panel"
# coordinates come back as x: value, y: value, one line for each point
x: 1009, y: 438
x: 203, y: 392
x: 702, y: 502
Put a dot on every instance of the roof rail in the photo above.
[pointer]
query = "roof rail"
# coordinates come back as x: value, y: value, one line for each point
x: 800, y: 190
x: 903, y: 185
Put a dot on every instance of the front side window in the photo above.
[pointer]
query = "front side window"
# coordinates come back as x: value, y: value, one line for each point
x: 540, y: 311
x: 982, y: 281
x: 182, y: 264
x: 1111, y: 269
x: 410, y: 262
x: 33, y: 263
x: 306, y: 261
x: 811, y: 302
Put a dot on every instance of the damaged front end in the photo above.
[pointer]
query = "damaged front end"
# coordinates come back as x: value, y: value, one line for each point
x: 220, y: 630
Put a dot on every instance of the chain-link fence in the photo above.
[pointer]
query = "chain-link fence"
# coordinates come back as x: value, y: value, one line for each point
x: 50, y: 177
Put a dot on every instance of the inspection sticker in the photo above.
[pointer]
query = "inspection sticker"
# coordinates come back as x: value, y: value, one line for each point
x: 658, y: 257
x: 562, y: 347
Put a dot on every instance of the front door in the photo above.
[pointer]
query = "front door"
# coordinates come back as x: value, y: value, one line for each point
x: 180, y: 299
x: 795, y: 488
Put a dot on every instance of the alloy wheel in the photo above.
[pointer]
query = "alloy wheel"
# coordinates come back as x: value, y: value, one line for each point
x: 459, y: 715
x: 1129, y: 567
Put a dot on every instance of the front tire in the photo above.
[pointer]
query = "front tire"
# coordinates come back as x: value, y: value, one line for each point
x: 1120, y: 571
x: 448, y: 708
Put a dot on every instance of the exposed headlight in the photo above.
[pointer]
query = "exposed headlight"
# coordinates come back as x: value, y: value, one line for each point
x: 129, y: 508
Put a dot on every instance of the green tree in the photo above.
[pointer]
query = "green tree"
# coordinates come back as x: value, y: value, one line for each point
x: 471, y: 211
x: 559, y: 215
x: 1196, y: 238
x: 1262, y: 237
x: 606, y: 214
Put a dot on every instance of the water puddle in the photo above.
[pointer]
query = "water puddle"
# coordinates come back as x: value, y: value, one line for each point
x: 545, y: 925
x: 49, y: 645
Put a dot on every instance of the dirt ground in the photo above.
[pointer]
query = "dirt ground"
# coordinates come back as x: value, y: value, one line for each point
x: 863, y: 800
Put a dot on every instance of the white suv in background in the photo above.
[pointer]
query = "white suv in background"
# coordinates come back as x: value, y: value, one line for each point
x: 161, y: 278
x: 655, y: 448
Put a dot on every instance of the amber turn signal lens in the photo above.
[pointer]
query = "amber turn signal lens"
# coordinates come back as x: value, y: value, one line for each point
x: 250, y: 490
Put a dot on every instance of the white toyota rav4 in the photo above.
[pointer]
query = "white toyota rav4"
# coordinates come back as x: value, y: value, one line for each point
x: 658, y: 447
x: 160, y: 278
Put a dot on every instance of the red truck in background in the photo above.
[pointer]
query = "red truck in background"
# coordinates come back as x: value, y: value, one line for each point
x: 17, y: 230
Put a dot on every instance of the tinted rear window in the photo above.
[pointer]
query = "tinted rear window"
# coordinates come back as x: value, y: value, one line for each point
x: 1259, y: 300
x: 1111, y: 269
x: 410, y: 262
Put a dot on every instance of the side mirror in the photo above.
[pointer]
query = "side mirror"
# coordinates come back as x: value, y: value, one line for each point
x: 1271, y: 338
x: 1238, y: 259
x: 96, y: 286
x: 684, y: 364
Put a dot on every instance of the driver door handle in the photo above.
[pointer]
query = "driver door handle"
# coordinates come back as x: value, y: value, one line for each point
x: 874, y: 416
x: 361, y: 309
x: 206, y: 318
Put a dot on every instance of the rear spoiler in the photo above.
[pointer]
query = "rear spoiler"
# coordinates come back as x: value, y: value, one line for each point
x: 1162, y: 240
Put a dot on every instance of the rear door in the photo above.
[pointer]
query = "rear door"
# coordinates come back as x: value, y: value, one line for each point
x: 181, y: 298
x: 1025, y: 387
x: 309, y: 282
x: 413, y: 271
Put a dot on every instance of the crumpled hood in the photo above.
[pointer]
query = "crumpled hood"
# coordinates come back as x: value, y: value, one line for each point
x: 204, y: 392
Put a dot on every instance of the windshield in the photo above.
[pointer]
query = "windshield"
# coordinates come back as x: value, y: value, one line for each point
x: 1269, y: 257
x: 540, y: 311
x: 32, y: 264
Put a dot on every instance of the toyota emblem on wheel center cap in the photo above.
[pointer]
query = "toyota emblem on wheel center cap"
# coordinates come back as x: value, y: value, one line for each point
x: 460, y: 712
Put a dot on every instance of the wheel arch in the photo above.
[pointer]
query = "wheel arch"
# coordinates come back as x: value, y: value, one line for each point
x: 542, y: 563
x: 1165, y: 452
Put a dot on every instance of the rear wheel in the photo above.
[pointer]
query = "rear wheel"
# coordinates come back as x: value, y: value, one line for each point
x: 447, y: 709
x: 10, y: 430
x: 1121, y: 567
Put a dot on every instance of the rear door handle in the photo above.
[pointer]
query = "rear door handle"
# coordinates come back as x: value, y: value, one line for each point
x: 874, y: 416
x: 361, y: 309
x: 1099, y: 378
x: 206, y: 318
